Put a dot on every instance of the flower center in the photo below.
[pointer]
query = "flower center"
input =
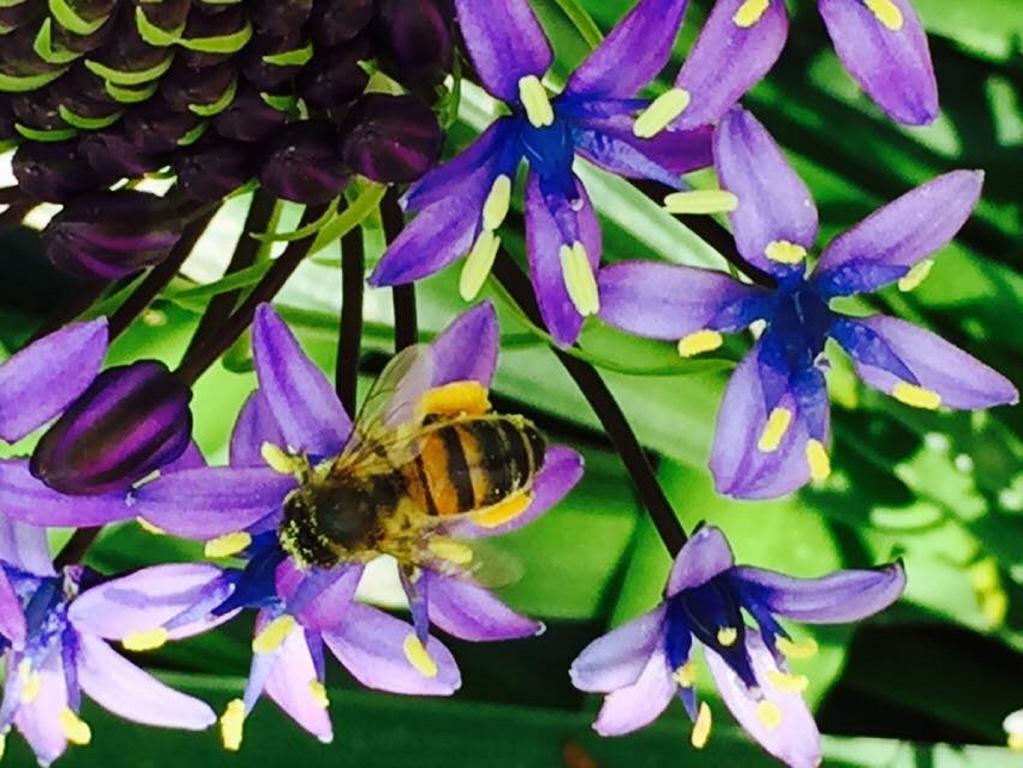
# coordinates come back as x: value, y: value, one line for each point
x: 550, y: 152
x: 801, y: 322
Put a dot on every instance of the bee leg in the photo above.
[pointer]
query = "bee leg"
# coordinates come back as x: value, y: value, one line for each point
x: 455, y: 399
x: 504, y: 511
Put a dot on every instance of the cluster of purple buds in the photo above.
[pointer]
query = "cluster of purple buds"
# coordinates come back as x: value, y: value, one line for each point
x: 216, y: 96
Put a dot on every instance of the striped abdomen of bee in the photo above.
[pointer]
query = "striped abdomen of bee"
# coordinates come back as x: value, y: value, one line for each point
x: 475, y: 464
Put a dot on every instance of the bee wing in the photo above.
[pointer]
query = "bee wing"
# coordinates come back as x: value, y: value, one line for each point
x: 493, y: 566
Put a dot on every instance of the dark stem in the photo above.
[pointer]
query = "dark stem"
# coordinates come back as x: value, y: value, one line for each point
x: 406, y: 325
x: 13, y: 216
x: 11, y: 195
x: 87, y: 295
x: 76, y: 547
x: 604, y: 405
x: 349, y: 338
x: 247, y: 248
x: 197, y: 360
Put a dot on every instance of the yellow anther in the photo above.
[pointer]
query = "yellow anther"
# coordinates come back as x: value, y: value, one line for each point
x: 1015, y: 742
x: 502, y: 512
x: 701, y: 202
x: 31, y: 682
x: 701, y: 728
x: 76, y: 730
x: 727, y: 636
x: 455, y: 399
x: 984, y: 576
x: 536, y: 102
x: 278, y: 459
x: 818, y: 460
x: 227, y: 545
x: 662, y: 112
x: 887, y: 12
x: 774, y: 430
x: 788, y: 683
x: 452, y: 551
x: 686, y: 674
x: 478, y: 264
x: 273, y: 634
x: 784, y: 252
x: 3, y: 744
x: 150, y: 528
x: 916, y: 396
x: 145, y: 641
x: 419, y: 657
x: 916, y: 275
x: 232, y: 725
x: 804, y: 649
x: 498, y: 202
x: 769, y: 714
x: 750, y: 12
x: 700, y: 342
x: 580, y: 281
x: 319, y: 693
x: 995, y: 607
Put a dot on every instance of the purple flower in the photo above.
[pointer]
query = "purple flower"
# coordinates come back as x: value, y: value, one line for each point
x: 51, y: 657
x: 644, y: 664
x: 461, y: 204
x: 773, y: 424
x: 302, y: 607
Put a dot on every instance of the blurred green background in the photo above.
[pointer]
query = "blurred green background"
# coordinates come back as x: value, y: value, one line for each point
x: 943, y: 491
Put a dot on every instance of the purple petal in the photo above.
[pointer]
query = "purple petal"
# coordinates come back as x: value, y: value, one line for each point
x: 547, y: 231
x: 703, y: 557
x: 467, y: 349
x: 302, y: 400
x: 617, y: 659
x: 884, y: 349
x: 635, y: 706
x: 206, y: 503
x: 884, y: 246
x: 774, y: 203
x: 12, y: 617
x: 120, y: 687
x: 893, y: 66
x: 192, y: 458
x: 291, y: 682
x: 150, y: 598
x: 838, y: 598
x: 666, y: 301
x: 24, y: 546
x: 27, y: 500
x: 632, y: 55
x: 505, y: 42
x: 318, y: 599
x: 41, y: 380
x: 256, y: 425
x: 370, y: 644
x: 794, y: 739
x: 728, y: 60
x: 468, y: 611
x: 39, y: 720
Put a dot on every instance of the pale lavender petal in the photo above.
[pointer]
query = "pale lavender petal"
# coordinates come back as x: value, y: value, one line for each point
x: 317, y: 598
x: 774, y: 203
x: 120, y: 687
x: 39, y: 720
x: 290, y: 684
x: 893, y: 66
x: 840, y: 597
x: 12, y: 617
x: 38, y: 382
x: 703, y: 557
x: 25, y: 546
x: 505, y: 42
x: 795, y: 739
x: 256, y: 425
x: 617, y: 659
x: 728, y: 60
x: 884, y: 349
x: 302, y: 400
x: 370, y: 644
x: 632, y: 54
x: 467, y: 349
x: 635, y: 706
x: 28, y: 500
x: 468, y: 611
x: 207, y: 503
x: 666, y: 301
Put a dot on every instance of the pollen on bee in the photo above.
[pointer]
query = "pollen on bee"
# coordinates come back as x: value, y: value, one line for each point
x: 227, y: 545
x: 145, y: 641
x: 495, y: 209
x: 701, y: 728
x: 916, y: 396
x: 703, y: 201
x: 454, y: 399
x: 662, y: 112
x: 419, y: 657
x: 319, y: 693
x: 769, y: 713
x: 536, y: 102
x: 278, y: 459
x: 503, y: 512
x: 31, y: 682
x: 685, y: 675
x: 232, y: 725
x: 450, y: 550
x: 886, y: 12
x: 774, y: 430
x: 273, y: 634
x: 478, y: 264
x: 580, y: 282
x: 76, y: 730
x: 750, y: 12
x: 727, y: 636
x: 784, y: 252
x: 818, y: 460
x: 787, y: 683
x: 912, y: 279
x: 804, y: 649
x: 699, y: 342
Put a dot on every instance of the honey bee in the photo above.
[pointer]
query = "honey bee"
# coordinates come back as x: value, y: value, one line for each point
x: 420, y: 458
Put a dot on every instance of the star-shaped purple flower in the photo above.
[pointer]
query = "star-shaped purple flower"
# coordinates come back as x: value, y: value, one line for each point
x: 461, y: 205
x: 644, y: 664
x: 773, y: 425
x: 53, y: 654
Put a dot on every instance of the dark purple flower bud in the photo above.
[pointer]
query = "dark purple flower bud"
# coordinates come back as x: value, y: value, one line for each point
x: 21, y: 15
x: 269, y: 62
x: 83, y: 103
x: 89, y: 15
x: 214, y: 168
x: 39, y: 110
x: 127, y: 53
x: 391, y: 139
x: 167, y: 15
x: 415, y: 41
x: 217, y: 21
x: 249, y: 118
x: 336, y: 21
x: 53, y: 171
x: 334, y: 78
x: 130, y: 422
x: 62, y: 39
x: 108, y: 235
x: 113, y: 156
x: 18, y: 57
x: 7, y: 131
x: 304, y: 164
x: 200, y: 91
x: 155, y: 128
x: 279, y: 17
